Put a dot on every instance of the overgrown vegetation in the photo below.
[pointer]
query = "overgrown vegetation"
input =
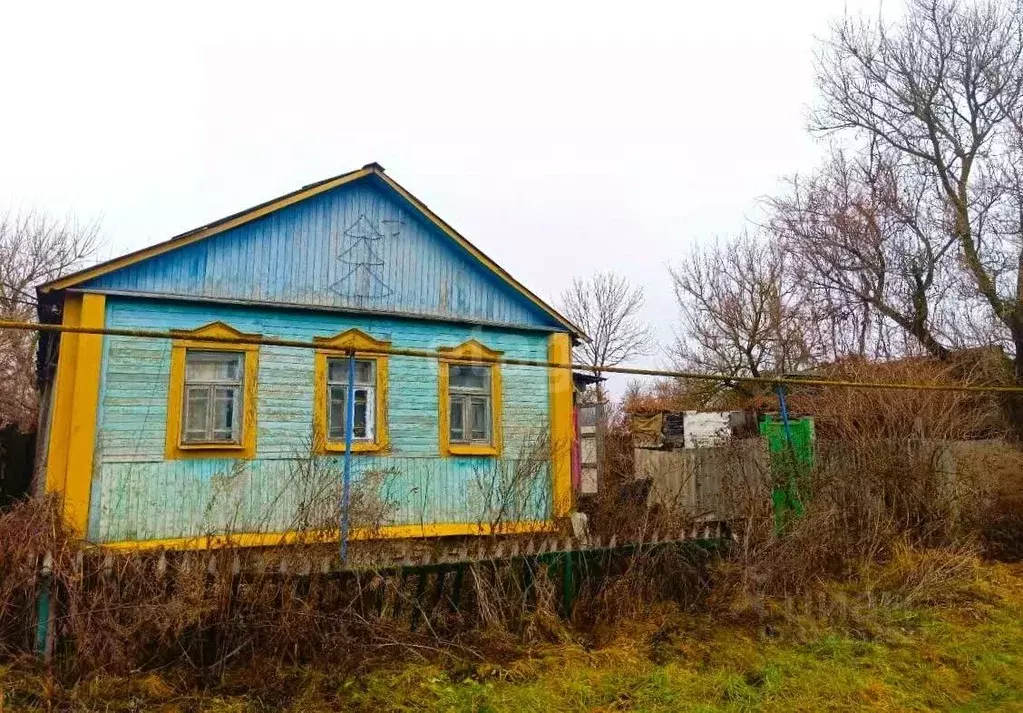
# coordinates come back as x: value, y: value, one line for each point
x: 889, y: 649
x: 880, y: 588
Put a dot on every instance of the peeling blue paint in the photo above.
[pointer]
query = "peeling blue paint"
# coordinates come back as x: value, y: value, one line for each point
x: 137, y: 495
x: 358, y: 247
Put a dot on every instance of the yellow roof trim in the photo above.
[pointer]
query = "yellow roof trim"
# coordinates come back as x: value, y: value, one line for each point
x: 207, y: 231
x: 233, y: 221
x: 478, y: 254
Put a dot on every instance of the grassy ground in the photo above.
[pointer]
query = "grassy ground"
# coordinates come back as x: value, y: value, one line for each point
x: 871, y: 656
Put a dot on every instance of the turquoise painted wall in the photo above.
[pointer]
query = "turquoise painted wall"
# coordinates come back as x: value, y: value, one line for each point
x: 360, y: 246
x: 137, y: 495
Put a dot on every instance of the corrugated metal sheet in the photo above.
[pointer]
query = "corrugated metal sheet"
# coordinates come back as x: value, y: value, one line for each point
x: 357, y: 247
x: 138, y: 495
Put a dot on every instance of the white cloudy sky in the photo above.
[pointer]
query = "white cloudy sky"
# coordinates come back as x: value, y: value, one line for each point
x: 561, y: 138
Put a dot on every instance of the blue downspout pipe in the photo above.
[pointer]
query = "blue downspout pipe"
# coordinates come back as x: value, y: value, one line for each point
x: 784, y: 409
x: 346, y: 484
x: 792, y: 498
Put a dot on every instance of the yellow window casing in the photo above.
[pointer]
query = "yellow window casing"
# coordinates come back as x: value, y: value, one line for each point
x: 476, y: 354
x: 366, y: 348
x: 199, y: 339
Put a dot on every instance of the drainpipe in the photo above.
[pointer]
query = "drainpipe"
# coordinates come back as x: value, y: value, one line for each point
x: 346, y: 486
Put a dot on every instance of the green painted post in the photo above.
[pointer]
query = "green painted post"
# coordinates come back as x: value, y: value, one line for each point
x: 44, y: 603
x: 791, y: 456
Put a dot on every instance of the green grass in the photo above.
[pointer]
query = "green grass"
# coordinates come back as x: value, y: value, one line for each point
x: 963, y: 658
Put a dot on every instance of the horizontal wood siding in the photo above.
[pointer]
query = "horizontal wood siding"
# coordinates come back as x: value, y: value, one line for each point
x: 137, y: 495
x: 310, y: 254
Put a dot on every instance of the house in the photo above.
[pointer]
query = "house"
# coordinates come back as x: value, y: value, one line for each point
x: 216, y: 427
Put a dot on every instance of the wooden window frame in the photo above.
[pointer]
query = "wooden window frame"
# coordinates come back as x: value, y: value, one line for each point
x: 210, y: 389
x: 198, y: 340
x: 470, y: 353
x: 365, y: 348
x: 369, y: 387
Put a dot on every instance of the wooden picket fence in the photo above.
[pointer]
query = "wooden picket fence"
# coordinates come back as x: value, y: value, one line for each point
x: 403, y: 582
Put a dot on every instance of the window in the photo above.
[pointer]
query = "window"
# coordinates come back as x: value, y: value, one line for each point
x: 470, y: 401
x: 363, y: 424
x: 211, y: 402
x: 330, y: 401
x: 213, y: 397
x: 470, y: 407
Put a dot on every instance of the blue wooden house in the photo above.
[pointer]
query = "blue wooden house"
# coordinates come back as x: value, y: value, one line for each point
x: 216, y: 427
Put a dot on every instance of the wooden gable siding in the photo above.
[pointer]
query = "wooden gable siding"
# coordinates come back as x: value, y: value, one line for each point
x: 137, y: 495
x: 357, y: 247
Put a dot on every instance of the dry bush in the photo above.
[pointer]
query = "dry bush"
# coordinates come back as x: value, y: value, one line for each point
x: 855, y: 414
x: 29, y: 529
x: 895, y: 520
x: 866, y: 498
x: 994, y: 470
x: 886, y: 526
x: 629, y: 587
x: 921, y: 577
x: 213, y: 610
x: 210, y: 613
x: 198, y: 612
x: 942, y: 455
x: 908, y: 481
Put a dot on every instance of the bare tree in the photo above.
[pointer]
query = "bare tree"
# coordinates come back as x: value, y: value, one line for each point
x: 939, y: 96
x: 868, y: 254
x: 737, y: 312
x: 607, y: 308
x: 34, y: 248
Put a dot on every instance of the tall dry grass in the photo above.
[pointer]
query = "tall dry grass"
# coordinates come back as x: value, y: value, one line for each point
x: 897, y: 513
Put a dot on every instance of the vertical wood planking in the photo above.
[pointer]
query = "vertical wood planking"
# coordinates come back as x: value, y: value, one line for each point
x: 297, y: 256
x: 143, y: 497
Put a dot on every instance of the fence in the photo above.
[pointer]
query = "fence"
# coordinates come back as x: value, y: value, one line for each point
x: 418, y: 587
x: 406, y: 584
x: 694, y: 481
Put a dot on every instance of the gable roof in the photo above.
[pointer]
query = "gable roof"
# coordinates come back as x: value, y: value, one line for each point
x: 288, y: 199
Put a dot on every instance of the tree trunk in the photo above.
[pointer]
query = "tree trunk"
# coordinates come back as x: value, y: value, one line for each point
x: 1015, y: 401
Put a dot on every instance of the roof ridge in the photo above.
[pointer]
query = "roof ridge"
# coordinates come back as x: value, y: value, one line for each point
x: 274, y: 204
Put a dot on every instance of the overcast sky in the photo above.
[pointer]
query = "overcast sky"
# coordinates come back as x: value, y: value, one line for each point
x: 561, y: 138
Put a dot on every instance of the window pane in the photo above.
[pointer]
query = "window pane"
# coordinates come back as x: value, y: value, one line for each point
x: 212, y: 366
x: 359, y: 427
x: 587, y: 416
x: 457, y: 421
x: 336, y: 414
x: 363, y: 421
x: 196, y: 408
x: 475, y: 378
x: 337, y: 371
x: 365, y: 371
x: 224, y: 414
x: 480, y: 419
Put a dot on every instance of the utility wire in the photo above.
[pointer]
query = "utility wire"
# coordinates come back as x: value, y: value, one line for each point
x: 512, y: 361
